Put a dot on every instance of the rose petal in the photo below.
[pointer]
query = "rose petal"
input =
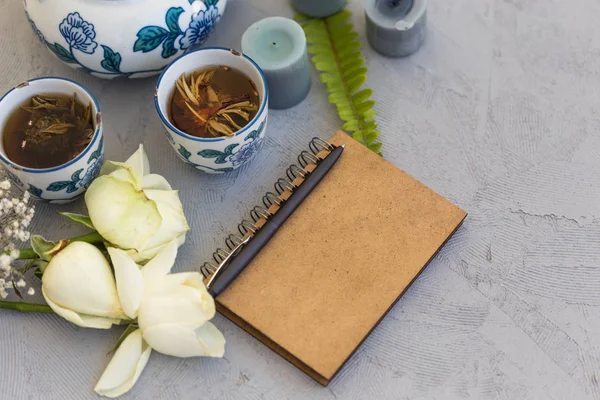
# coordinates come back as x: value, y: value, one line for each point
x: 139, y: 162
x: 123, y: 216
x: 125, y: 367
x: 80, y: 279
x: 174, y: 222
x: 161, y: 264
x: 151, y: 252
x: 180, y: 341
x: 130, y: 282
x: 185, y: 306
x: 83, y: 320
x: 155, y: 182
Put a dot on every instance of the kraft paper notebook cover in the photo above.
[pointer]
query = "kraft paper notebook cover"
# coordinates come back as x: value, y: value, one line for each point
x: 340, y: 262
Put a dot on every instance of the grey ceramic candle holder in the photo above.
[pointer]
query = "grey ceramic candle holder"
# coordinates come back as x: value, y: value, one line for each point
x: 396, y: 28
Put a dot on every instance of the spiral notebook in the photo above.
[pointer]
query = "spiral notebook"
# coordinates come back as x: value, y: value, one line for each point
x: 340, y: 262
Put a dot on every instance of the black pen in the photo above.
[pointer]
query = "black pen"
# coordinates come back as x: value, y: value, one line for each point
x: 245, y: 252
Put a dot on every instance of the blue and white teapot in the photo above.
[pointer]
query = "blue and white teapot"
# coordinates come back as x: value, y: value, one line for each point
x: 122, y: 38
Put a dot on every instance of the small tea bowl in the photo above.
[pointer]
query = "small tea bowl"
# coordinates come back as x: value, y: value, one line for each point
x: 66, y: 182
x: 221, y: 154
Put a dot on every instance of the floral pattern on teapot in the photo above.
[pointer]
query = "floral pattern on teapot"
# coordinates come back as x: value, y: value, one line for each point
x: 79, y: 35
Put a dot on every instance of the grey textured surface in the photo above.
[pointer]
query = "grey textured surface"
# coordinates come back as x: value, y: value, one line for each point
x: 497, y: 112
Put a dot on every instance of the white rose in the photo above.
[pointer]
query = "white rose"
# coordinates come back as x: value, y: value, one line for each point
x: 173, y: 310
x: 78, y: 285
x: 135, y: 210
x: 174, y: 318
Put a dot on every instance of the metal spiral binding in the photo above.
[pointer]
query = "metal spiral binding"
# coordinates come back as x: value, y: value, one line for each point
x: 293, y: 171
x: 306, y: 158
x: 220, y: 255
x: 207, y: 269
x: 246, y: 228
x: 259, y: 212
x: 318, y: 144
x: 233, y: 241
x: 282, y: 185
x: 271, y: 198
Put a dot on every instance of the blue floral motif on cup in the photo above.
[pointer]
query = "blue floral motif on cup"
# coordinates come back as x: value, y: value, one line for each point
x: 77, y: 180
x: 92, y: 172
x: 235, y: 154
x: 35, y: 192
x: 246, y: 152
x: 70, y: 186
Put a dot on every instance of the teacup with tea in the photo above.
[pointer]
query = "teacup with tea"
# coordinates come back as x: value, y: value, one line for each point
x: 213, y: 104
x: 51, y: 138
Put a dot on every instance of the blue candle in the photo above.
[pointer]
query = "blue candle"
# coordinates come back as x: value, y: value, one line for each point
x: 396, y: 28
x: 319, y: 8
x: 278, y: 46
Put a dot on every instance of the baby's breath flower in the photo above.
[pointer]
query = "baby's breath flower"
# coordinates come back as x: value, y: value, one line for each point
x: 15, y: 217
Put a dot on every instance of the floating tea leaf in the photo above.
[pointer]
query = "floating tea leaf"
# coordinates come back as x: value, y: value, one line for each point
x: 48, y: 131
x: 213, y: 102
x: 60, y: 128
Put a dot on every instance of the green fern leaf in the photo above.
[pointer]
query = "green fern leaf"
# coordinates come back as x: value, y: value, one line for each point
x: 351, y: 125
x: 319, y: 48
x: 349, y: 63
x: 326, y: 67
x: 364, y: 107
x: 354, y: 72
x: 352, y: 36
x: 353, y: 66
x: 341, y: 31
x: 356, y: 82
x: 335, y: 86
x: 336, y: 54
x: 368, y: 115
x: 371, y: 125
x: 338, y: 97
x: 348, y: 48
x: 324, y: 58
x: 327, y: 77
x: 361, y: 96
x: 344, y: 108
x: 376, y: 147
x: 371, y: 136
x: 347, y: 117
x: 348, y: 57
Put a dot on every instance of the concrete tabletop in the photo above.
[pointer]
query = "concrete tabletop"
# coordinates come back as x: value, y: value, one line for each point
x: 498, y: 112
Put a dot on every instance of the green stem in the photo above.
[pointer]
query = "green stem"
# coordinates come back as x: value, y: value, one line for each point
x: 25, y: 307
x: 92, y: 238
x: 27, y: 254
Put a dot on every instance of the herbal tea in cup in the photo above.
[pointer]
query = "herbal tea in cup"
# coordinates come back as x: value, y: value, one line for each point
x: 213, y: 102
x: 197, y: 145
x: 47, y: 131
